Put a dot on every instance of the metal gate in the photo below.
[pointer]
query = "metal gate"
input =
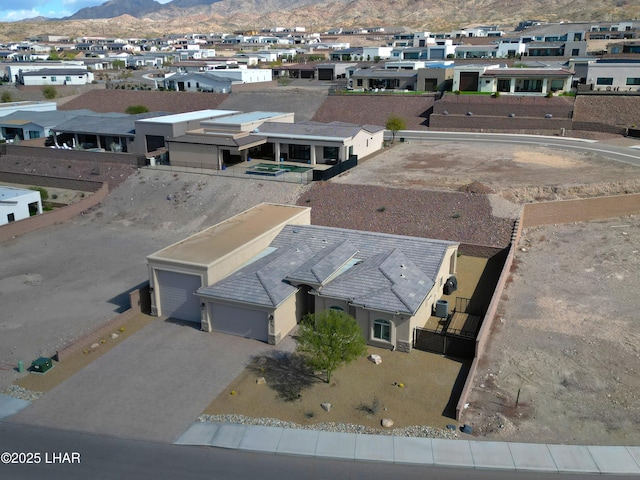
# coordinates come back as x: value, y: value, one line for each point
x: 443, y: 343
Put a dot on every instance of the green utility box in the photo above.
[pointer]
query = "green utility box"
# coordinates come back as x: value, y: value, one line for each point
x: 41, y: 365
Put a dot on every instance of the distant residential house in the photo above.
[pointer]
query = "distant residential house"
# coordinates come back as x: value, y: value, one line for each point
x: 198, y: 82
x: 230, y: 139
x: 113, y: 131
x: 384, y: 79
x: 332, y: 71
x: 519, y: 81
x: 30, y: 124
x: 57, y: 76
x: 618, y: 75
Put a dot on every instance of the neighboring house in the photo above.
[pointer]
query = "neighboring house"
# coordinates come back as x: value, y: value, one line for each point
x: 614, y: 75
x: 12, y: 107
x: 198, y: 82
x: 228, y: 140
x: 109, y: 131
x: 279, y: 267
x: 14, y: 69
x: 18, y: 204
x: 332, y: 71
x: 28, y: 124
x: 296, y: 70
x: 520, y: 81
x: 151, y: 133
x: 56, y: 76
x: 383, y: 79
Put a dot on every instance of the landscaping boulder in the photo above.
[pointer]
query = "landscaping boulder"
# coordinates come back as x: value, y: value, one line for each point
x: 377, y: 359
x: 326, y: 406
x: 387, y: 423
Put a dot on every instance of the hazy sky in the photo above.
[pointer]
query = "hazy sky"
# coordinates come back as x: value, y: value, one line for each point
x: 12, y: 10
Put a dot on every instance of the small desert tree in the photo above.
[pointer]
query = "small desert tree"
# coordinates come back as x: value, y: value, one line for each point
x: 49, y: 92
x: 395, y: 124
x: 329, y: 339
x: 6, y: 97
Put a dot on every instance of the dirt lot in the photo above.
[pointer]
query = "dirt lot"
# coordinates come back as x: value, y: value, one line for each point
x: 567, y: 339
x: 518, y: 174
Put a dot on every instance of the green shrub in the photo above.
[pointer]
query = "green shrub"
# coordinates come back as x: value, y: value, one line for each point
x: 6, y: 97
x: 135, y: 109
x: 49, y: 92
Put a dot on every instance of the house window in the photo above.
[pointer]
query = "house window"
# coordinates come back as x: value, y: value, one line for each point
x: 54, y: 79
x: 330, y: 152
x: 11, y: 217
x: 359, y: 82
x: 382, y: 330
x: 633, y: 80
x: 68, y: 79
x: 575, y: 51
x: 604, y: 81
x: 335, y: 307
x: 300, y: 152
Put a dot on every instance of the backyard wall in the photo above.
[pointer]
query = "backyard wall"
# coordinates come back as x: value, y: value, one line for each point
x: 139, y: 303
x: 63, y: 154
x: 489, y: 318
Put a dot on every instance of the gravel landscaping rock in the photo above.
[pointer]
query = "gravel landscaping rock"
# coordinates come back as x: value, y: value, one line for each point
x: 413, y: 431
x: 22, y: 393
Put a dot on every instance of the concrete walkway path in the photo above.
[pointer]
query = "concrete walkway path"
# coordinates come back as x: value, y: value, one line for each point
x: 424, y: 451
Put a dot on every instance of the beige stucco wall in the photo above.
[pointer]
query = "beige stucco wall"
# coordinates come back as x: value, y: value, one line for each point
x: 285, y: 318
x: 195, y: 155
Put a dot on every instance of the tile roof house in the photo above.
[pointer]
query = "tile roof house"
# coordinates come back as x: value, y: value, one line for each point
x: 388, y: 283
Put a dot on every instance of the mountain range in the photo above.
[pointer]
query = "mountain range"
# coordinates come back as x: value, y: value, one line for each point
x: 148, y: 17
x: 414, y: 13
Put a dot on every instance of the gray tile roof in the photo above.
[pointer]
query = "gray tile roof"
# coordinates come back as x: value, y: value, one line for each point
x: 324, y: 264
x: 394, y: 273
x: 105, y: 124
x: 261, y: 282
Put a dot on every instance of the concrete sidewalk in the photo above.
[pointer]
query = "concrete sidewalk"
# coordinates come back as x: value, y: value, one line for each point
x: 409, y: 450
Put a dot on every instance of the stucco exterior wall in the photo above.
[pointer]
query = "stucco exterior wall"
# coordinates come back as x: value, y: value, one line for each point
x: 195, y: 155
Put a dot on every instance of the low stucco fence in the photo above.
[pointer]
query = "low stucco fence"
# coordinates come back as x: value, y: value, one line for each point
x: 489, y: 318
x: 84, y: 155
x: 139, y: 301
x: 59, y: 215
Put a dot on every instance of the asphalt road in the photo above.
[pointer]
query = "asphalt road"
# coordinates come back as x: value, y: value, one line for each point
x: 612, y: 152
x: 102, y: 457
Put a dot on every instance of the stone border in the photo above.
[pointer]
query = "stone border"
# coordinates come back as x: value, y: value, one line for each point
x: 139, y: 303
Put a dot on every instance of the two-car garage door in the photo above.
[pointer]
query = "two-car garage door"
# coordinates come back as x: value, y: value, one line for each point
x: 177, y: 295
x: 243, y: 322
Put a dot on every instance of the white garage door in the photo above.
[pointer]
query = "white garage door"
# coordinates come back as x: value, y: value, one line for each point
x: 243, y: 322
x: 177, y: 299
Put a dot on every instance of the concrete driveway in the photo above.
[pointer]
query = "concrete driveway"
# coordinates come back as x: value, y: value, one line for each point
x: 152, y: 386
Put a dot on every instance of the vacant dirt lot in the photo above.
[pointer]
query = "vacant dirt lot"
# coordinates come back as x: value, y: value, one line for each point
x: 567, y: 339
x: 518, y: 174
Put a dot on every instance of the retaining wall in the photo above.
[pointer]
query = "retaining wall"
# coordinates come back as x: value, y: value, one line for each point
x: 582, y: 210
x: 499, y: 123
x: 83, y: 155
x: 50, y: 182
x: 140, y: 302
x: 58, y: 215
x: 489, y: 318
